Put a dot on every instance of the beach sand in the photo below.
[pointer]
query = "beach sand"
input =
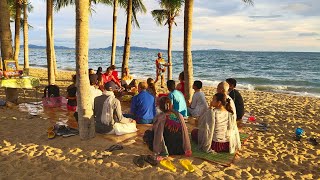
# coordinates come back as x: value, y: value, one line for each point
x: 26, y: 152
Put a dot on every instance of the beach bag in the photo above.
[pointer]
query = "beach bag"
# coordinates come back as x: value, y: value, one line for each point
x: 51, y: 91
x: 54, y: 101
x: 124, y: 128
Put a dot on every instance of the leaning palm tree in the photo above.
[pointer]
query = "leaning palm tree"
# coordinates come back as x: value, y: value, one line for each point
x: 166, y: 16
x: 187, y: 55
x: 6, y: 45
x: 114, y: 32
x: 85, y: 113
x: 133, y: 7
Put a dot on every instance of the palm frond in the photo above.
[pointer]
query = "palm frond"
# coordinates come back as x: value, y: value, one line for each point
x: 160, y: 15
x: 248, y: 1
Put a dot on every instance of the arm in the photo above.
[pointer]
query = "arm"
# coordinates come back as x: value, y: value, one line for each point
x: 115, y: 80
x: 133, y: 108
x: 118, y: 112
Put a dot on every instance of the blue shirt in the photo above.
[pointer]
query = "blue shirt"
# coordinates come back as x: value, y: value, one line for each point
x: 179, y: 103
x: 143, y: 107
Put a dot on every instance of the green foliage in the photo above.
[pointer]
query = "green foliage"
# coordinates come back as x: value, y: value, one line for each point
x: 170, y: 10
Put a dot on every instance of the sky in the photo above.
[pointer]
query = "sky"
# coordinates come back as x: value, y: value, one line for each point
x: 268, y: 25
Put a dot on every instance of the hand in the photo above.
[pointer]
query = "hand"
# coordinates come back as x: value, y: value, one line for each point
x: 133, y: 121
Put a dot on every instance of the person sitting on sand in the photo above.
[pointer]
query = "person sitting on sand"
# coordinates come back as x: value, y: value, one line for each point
x: 160, y: 69
x: 223, y: 88
x: 217, y: 130
x: 180, y: 86
x: 108, y: 77
x: 169, y: 134
x: 236, y: 97
x: 107, y: 113
x: 143, y: 107
x: 127, y: 80
x: 100, y: 83
x: 177, y: 99
x: 114, y: 73
x: 72, y: 95
x: 99, y: 71
x: 198, y: 104
x: 91, y: 71
x: 151, y: 87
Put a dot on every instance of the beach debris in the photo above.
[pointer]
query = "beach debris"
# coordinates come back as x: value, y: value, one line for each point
x: 114, y: 147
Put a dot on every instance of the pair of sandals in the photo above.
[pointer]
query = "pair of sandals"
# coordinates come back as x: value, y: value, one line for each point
x: 140, y: 160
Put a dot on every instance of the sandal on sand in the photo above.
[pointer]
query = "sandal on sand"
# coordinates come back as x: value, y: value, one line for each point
x: 186, y: 164
x: 151, y: 160
x: 139, y: 161
x: 51, y: 135
x: 168, y: 164
x: 114, y: 148
x: 313, y: 141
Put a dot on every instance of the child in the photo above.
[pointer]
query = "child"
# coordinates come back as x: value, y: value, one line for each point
x: 72, y: 98
x: 198, y: 104
x: 151, y: 87
x: 180, y: 86
x: 217, y: 130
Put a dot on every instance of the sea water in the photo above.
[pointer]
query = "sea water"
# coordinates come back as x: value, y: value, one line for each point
x: 286, y: 72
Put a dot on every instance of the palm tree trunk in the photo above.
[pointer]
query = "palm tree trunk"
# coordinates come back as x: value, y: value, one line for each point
x: 169, y: 50
x: 17, y: 32
x: 53, y: 50
x: 6, y: 45
x: 85, y: 113
x: 25, y: 36
x: 187, y: 55
x: 50, y: 65
x: 114, y: 32
x: 126, y: 51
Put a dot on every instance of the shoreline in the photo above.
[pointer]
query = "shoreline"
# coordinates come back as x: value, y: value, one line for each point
x: 206, y: 85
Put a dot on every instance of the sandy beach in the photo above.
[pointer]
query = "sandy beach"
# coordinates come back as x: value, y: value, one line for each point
x: 27, y: 153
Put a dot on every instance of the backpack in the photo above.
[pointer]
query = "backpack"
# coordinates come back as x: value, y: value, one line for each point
x: 51, y: 91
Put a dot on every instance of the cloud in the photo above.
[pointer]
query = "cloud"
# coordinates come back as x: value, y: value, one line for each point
x: 266, y: 17
x: 239, y: 36
x: 308, y: 34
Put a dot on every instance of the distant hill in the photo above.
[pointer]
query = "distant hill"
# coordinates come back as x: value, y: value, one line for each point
x: 132, y: 48
x: 44, y: 47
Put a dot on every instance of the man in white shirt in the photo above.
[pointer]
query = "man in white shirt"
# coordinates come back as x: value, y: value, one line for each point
x: 198, y: 104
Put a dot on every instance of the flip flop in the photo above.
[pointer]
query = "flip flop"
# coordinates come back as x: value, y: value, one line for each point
x: 51, y: 135
x: 114, y: 148
x: 187, y: 165
x: 151, y: 160
x: 168, y: 164
x: 139, y: 161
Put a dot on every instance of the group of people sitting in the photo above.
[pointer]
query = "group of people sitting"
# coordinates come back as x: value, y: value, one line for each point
x: 217, y: 128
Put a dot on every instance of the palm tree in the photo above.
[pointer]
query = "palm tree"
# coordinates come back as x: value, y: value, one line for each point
x: 6, y: 45
x: 50, y: 43
x: 171, y: 9
x: 114, y: 32
x: 18, y: 5
x: 25, y: 35
x: 85, y: 113
x: 133, y: 7
x: 187, y: 55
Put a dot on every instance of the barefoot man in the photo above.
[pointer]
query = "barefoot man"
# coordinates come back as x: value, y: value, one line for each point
x: 160, y: 69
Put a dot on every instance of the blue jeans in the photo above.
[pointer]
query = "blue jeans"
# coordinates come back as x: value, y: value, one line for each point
x: 140, y: 121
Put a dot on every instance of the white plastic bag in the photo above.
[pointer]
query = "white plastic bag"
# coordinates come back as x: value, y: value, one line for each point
x: 121, y: 128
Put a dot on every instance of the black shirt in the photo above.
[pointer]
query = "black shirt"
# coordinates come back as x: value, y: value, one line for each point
x: 238, y: 101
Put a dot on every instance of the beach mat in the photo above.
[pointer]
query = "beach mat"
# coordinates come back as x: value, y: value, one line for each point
x: 223, y: 158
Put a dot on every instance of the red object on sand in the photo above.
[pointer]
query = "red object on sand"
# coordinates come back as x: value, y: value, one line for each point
x: 251, y: 118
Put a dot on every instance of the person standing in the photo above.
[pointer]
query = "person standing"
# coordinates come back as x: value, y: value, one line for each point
x: 160, y: 69
x: 236, y: 97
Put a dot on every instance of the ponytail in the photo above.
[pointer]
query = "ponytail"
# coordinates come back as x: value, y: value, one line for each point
x: 228, y: 105
x: 226, y: 102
